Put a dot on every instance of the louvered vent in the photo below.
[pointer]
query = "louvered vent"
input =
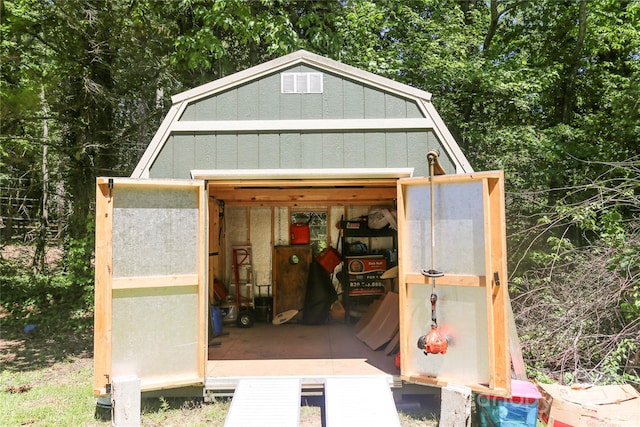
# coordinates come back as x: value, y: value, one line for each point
x: 301, y: 82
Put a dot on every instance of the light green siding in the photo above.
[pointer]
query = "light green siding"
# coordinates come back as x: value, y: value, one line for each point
x: 262, y: 100
x: 248, y: 149
x: 297, y: 150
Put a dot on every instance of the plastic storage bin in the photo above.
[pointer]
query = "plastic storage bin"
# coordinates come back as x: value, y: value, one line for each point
x: 520, y: 410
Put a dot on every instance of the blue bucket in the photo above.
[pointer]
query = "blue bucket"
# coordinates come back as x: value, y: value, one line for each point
x: 216, y: 318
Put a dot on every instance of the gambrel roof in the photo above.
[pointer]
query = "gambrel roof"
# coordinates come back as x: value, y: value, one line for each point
x: 343, y: 117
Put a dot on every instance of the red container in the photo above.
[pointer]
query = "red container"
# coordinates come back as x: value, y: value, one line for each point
x: 329, y: 258
x: 300, y: 233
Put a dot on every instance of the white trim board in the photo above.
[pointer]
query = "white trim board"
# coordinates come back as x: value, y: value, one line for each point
x: 287, y: 174
x: 289, y: 125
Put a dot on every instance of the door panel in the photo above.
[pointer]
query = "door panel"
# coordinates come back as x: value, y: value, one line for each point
x: 470, y: 246
x: 150, y: 282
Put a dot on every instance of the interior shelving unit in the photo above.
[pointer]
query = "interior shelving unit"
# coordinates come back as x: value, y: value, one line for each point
x: 359, y: 229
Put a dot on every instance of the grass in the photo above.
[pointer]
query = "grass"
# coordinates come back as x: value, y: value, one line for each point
x: 46, y: 379
x: 40, y: 398
x: 61, y: 395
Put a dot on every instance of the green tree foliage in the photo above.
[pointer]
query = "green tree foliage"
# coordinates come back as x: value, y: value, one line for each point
x: 219, y: 38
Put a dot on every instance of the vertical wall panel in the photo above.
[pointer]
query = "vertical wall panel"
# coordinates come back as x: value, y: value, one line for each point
x: 291, y: 106
x: 248, y: 108
x: 332, y: 98
x: 163, y: 165
x: 354, y: 146
x: 413, y: 112
x: 190, y: 112
x: 227, y: 105
x: 269, y: 151
x: 396, y: 149
x: 184, y: 154
x: 311, y: 106
x: 227, y: 157
x: 205, y: 151
x: 353, y: 100
x: 373, y: 103
x: 394, y: 107
x: 269, y: 97
x: 332, y: 149
x: 417, y: 150
x: 375, y: 150
x: 290, y: 150
x: 248, y: 151
x: 207, y: 109
x: 311, y: 145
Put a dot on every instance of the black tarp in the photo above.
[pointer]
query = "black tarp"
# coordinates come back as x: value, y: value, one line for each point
x: 319, y: 296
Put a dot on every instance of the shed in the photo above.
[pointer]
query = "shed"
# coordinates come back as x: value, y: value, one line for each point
x: 236, y: 162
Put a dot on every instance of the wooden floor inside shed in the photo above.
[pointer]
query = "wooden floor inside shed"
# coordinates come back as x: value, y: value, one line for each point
x: 294, y: 349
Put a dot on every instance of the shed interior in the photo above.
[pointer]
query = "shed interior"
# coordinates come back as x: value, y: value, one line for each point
x: 251, y: 244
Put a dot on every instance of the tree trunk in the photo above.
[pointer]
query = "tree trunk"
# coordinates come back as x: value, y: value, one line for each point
x: 39, y: 263
x: 493, y: 25
x: 569, y: 92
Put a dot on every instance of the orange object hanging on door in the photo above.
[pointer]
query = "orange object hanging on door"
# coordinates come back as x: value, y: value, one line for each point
x: 433, y: 342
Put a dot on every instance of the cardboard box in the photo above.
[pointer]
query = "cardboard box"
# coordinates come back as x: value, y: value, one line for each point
x: 364, y: 274
x: 577, y: 406
x: 384, y: 323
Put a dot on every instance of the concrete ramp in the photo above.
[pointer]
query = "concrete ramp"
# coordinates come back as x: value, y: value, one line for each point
x: 359, y: 401
x: 265, y: 402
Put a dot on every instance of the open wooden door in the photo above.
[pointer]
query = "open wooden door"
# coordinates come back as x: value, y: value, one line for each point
x: 472, y: 296
x: 151, y: 305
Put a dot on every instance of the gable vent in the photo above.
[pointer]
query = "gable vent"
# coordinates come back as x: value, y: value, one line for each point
x: 301, y: 82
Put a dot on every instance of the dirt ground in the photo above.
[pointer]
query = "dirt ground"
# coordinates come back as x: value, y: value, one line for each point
x: 25, y: 253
